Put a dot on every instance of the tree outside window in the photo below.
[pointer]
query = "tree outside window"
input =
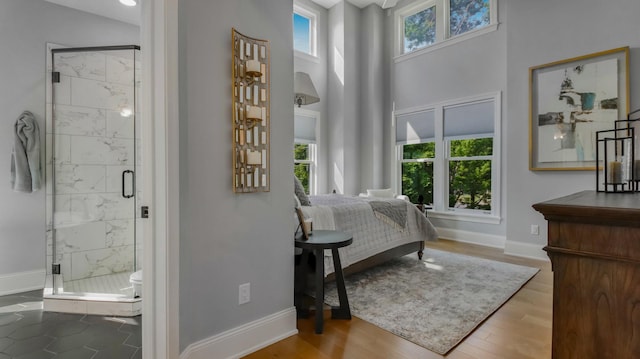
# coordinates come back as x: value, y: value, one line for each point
x: 302, y: 164
x: 420, y: 29
x: 430, y: 22
x: 417, y: 171
x: 467, y: 15
x: 445, y: 156
x: 470, y: 173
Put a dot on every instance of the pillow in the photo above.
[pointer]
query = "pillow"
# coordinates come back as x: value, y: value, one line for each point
x: 299, y: 191
x: 296, y: 204
x: 380, y: 193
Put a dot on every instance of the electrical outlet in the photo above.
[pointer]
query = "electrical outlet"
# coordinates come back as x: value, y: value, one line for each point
x: 535, y: 230
x: 244, y: 293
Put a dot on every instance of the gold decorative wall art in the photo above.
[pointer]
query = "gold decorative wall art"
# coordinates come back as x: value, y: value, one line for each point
x: 250, y: 93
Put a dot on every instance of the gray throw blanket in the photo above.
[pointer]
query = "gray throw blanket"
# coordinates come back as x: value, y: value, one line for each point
x: 25, y: 156
x: 394, y: 213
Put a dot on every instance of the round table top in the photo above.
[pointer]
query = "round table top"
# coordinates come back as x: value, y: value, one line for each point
x: 324, y: 239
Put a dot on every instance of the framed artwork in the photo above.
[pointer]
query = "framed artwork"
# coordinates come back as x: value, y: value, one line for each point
x: 569, y: 101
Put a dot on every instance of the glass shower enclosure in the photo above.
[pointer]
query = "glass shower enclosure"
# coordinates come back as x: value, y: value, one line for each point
x: 93, y: 177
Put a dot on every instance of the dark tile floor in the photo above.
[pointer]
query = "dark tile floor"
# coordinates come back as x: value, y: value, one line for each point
x: 28, y: 332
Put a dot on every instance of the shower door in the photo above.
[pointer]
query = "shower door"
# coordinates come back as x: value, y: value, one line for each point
x: 93, y: 180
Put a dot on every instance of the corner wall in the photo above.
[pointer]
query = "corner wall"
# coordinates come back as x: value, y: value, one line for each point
x: 470, y: 67
x: 540, y: 33
x: 317, y: 70
x: 228, y: 239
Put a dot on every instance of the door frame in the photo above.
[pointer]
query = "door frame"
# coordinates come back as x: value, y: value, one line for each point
x: 160, y: 306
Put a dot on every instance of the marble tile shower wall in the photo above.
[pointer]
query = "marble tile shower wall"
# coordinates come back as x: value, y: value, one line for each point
x: 94, y: 141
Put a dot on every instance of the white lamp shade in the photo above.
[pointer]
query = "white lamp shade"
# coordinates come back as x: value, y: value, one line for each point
x: 305, y: 92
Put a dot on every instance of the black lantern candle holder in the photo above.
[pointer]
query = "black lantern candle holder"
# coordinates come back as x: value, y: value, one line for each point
x: 617, y: 158
x: 613, y: 148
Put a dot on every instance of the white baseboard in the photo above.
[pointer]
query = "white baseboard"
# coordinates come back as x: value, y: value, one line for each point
x: 527, y: 250
x: 245, y: 339
x: 22, y: 281
x: 483, y: 239
x: 519, y: 249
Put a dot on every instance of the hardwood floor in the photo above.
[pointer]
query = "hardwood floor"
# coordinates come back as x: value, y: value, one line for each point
x: 520, y: 329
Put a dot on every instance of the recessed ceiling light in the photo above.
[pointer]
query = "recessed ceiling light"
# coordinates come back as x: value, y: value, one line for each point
x: 128, y: 2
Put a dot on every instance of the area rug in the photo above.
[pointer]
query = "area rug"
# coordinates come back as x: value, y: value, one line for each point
x: 434, y: 302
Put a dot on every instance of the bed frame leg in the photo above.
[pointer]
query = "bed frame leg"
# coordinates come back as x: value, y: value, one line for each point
x: 421, y: 250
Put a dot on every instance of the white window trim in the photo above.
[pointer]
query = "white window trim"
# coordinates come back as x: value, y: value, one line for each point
x: 306, y: 57
x: 313, y: 32
x: 313, y: 149
x: 312, y: 165
x: 442, y: 27
x: 448, y: 158
x: 412, y: 9
x: 441, y: 207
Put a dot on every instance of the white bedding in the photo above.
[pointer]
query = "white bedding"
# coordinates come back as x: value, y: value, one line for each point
x: 393, y: 223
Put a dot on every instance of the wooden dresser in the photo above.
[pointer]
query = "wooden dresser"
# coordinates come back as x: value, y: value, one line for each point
x: 594, y: 247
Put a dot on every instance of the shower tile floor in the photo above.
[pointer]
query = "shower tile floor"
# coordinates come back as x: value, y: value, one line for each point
x: 117, y: 283
x: 28, y: 332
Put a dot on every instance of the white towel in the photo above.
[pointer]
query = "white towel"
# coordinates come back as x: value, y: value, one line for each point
x: 25, y: 156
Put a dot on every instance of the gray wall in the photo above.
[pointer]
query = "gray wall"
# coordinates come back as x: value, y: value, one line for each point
x: 344, y: 99
x: 352, y: 100
x: 468, y: 68
x: 25, y: 28
x: 228, y: 239
x: 372, y: 92
x: 335, y: 98
x: 540, y: 32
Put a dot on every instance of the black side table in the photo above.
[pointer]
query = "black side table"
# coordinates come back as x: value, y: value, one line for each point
x: 318, y: 242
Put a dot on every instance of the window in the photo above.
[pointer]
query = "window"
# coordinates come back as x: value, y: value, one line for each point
x: 417, y: 172
x: 415, y: 132
x: 420, y: 29
x: 430, y: 22
x: 304, y: 31
x: 447, y: 155
x: 470, y: 173
x: 468, y: 134
x: 303, y: 164
x: 304, y: 151
x: 467, y: 15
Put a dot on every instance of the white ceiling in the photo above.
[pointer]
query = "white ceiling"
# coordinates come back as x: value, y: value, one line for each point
x: 114, y: 10
x: 107, y: 8
x: 359, y: 3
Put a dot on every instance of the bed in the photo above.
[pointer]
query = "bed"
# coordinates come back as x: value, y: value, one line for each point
x: 382, y: 228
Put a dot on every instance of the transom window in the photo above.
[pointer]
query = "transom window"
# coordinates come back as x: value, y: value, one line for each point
x: 304, y: 31
x: 420, y: 29
x: 447, y: 157
x: 429, y: 22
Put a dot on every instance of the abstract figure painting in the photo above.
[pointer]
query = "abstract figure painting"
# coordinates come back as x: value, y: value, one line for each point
x: 570, y: 101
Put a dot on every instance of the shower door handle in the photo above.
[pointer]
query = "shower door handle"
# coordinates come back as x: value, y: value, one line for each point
x: 133, y: 183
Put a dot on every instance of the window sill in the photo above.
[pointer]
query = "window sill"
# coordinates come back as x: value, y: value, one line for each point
x: 445, y: 43
x: 466, y: 217
x: 306, y: 57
